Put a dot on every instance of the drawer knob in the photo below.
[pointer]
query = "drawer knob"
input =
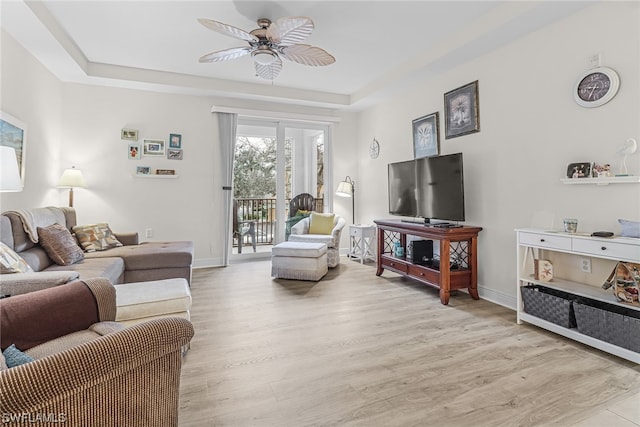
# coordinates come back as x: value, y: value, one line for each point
x: 542, y: 240
x: 604, y: 248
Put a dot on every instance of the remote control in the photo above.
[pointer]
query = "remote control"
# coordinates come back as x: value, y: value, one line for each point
x: 602, y: 234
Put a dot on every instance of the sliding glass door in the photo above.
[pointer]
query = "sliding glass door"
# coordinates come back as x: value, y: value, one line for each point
x: 274, y: 162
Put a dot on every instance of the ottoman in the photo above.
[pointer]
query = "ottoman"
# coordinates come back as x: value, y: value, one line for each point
x: 299, y: 261
x: 142, y: 301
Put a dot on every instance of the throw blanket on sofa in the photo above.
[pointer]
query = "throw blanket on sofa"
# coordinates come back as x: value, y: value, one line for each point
x: 39, y: 217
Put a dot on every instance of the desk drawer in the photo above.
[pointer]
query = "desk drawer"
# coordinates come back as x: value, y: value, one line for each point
x: 605, y: 249
x: 545, y: 241
x: 396, y: 265
x: 424, y: 274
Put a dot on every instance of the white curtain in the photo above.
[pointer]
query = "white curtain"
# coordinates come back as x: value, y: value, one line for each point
x: 227, y: 127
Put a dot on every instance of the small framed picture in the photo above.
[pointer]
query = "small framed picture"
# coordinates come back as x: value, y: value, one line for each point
x: 173, y: 154
x: 153, y: 147
x: 165, y: 171
x: 426, y: 136
x: 175, y: 140
x: 461, y: 111
x: 579, y: 170
x: 143, y: 170
x: 134, y: 151
x: 600, y: 171
x: 129, y: 134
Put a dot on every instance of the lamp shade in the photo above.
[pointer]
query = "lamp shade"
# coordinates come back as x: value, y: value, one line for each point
x: 344, y: 189
x: 10, y: 175
x: 71, y: 178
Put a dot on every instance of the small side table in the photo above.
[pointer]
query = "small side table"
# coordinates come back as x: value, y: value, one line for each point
x: 362, y: 242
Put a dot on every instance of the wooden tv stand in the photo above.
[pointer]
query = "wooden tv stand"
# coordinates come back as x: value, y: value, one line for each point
x: 458, y: 248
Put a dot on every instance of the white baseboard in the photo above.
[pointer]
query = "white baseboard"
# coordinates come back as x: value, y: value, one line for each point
x: 496, y: 297
x: 207, y: 263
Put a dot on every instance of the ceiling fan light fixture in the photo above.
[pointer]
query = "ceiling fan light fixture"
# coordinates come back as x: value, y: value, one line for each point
x: 264, y: 56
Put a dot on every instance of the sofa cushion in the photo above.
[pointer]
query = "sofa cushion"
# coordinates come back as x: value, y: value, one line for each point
x: 60, y: 245
x: 327, y: 239
x: 321, y: 223
x: 74, y: 339
x: 155, y: 298
x: 629, y: 228
x: 111, y: 268
x: 11, y: 262
x: 96, y: 237
x: 151, y: 255
x: 23, y: 283
x: 14, y: 357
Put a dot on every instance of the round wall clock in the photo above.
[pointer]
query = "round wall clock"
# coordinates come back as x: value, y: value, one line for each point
x: 374, y: 149
x: 596, y: 87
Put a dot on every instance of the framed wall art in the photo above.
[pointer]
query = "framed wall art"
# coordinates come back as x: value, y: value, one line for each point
x: 143, y: 170
x: 426, y: 136
x: 153, y: 147
x: 13, y: 133
x: 174, y: 154
x: 579, y: 170
x: 129, y: 134
x: 461, y: 111
x: 134, y: 151
x: 175, y: 140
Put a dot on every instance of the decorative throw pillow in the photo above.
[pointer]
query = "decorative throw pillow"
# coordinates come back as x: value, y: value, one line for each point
x: 11, y: 262
x: 321, y: 223
x: 96, y: 237
x: 629, y: 228
x: 14, y: 357
x: 59, y: 244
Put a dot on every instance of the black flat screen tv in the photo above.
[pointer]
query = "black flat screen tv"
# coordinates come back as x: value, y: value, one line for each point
x: 429, y: 188
x: 402, y: 188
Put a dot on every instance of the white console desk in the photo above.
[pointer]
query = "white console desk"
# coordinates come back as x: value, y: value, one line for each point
x: 580, y: 246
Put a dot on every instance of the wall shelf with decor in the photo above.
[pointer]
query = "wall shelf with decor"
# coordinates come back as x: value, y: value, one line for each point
x: 154, y: 176
x: 603, y: 181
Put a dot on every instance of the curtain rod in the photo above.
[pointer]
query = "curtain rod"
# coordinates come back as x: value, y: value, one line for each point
x: 275, y: 114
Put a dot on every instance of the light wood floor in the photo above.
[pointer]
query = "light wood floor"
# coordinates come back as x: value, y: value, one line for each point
x: 355, y: 349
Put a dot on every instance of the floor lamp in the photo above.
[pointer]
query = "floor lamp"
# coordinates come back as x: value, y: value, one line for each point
x: 10, y: 174
x: 71, y: 178
x: 347, y: 188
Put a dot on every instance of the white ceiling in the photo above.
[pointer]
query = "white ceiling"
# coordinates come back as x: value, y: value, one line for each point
x: 379, y: 46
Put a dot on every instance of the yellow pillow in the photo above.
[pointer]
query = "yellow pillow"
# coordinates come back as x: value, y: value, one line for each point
x: 321, y: 223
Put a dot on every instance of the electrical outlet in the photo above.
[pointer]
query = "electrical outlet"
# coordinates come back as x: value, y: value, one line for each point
x: 148, y: 232
x: 585, y: 265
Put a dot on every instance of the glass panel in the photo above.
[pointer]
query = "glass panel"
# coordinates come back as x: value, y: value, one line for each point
x: 273, y: 163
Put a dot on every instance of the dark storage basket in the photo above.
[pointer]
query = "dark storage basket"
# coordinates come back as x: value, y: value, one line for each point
x: 607, y: 322
x: 549, y: 304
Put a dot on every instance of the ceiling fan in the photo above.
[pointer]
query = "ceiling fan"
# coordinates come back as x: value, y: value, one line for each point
x: 269, y: 43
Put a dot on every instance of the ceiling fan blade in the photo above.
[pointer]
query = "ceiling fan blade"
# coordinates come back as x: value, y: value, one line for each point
x: 269, y: 72
x: 225, y: 55
x: 307, y: 55
x: 227, y: 30
x: 290, y: 30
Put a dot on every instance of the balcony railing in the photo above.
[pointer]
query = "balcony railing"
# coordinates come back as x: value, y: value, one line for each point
x: 263, y: 211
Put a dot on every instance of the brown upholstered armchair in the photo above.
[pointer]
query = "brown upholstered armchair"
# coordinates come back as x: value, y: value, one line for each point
x: 89, y: 370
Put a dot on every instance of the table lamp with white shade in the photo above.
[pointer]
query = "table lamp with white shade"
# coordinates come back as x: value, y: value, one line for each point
x: 10, y: 180
x: 71, y: 178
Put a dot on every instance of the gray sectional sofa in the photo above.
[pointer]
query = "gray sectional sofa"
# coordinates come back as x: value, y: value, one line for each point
x: 132, y: 262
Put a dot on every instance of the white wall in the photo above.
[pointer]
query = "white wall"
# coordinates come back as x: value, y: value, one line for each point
x: 531, y: 128
x: 32, y: 94
x: 71, y: 124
